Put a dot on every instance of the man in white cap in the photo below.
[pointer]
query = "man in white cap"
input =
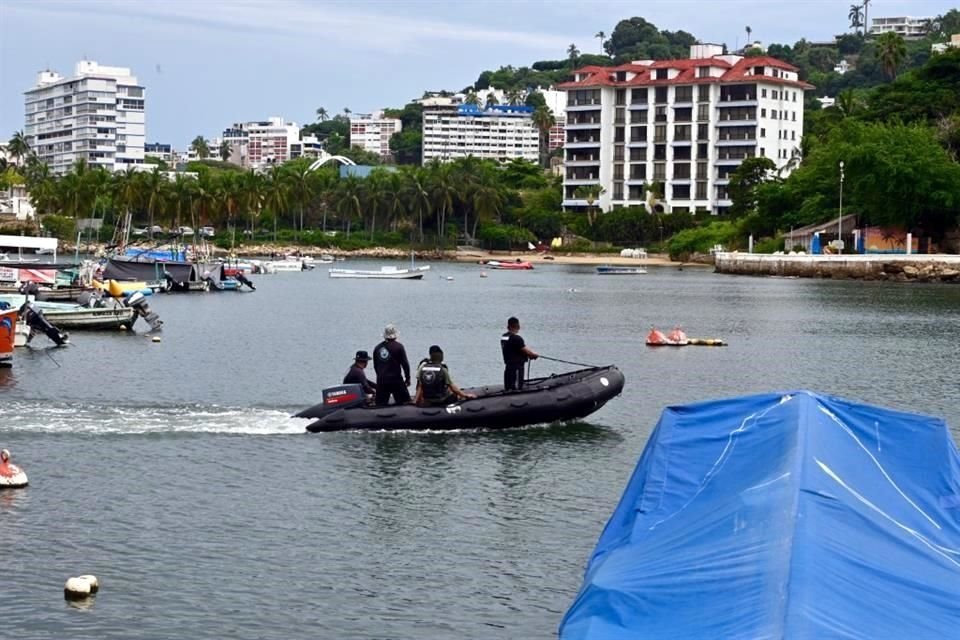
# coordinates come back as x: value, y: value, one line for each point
x: 393, y: 369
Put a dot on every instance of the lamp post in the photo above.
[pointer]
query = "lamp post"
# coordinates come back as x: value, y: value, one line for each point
x: 840, y: 216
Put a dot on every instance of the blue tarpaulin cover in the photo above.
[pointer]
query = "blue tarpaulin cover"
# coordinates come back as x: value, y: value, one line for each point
x: 790, y: 515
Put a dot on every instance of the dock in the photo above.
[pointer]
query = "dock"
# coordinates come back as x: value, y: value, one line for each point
x: 896, y: 267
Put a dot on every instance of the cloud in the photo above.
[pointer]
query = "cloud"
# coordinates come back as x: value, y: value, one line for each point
x: 372, y: 26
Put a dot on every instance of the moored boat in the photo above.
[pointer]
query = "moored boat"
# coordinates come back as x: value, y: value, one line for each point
x: 8, y: 334
x: 613, y: 270
x: 77, y: 316
x: 384, y: 273
x: 781, y: 515
x: 559, y: 397
x: 518, y: 265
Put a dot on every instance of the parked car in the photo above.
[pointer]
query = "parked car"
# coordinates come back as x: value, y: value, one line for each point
x: 185, y: 231
x: 156, y: 229
x: 140, y: 231
x: 207, y: 232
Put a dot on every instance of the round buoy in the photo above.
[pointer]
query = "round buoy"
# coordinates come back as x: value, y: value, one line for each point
x: 11, y: 476
x: 76, y: 589
x: 92, y: 580
x: 449, y: 278
x: 483, y: 274
x: 123, y: 327
x: 156, y: 338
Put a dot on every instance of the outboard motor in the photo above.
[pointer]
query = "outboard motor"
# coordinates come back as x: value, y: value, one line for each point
x: 29, y: 288
x: 343, y: 397
x: 244, y: 280
x: 138, y: 302
x: 33, y: 316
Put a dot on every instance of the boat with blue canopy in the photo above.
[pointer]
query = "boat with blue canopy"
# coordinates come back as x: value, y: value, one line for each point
x: 788, y: 515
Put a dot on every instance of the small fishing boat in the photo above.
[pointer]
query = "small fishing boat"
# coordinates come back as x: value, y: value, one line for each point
x: 384, y: 273
x: 8, y: 334
x: 613, y: 270
x: 76, y: 316
x: 555, y: 398
x: 518, y: 265
x: 287, y: 265
x: 780, y: 515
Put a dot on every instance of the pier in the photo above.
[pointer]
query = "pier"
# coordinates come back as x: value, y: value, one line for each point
x: 896, y: 267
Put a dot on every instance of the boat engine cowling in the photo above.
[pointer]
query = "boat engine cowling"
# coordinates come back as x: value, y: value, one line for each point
x: 343, y: 397
x: 33, y: 316
x: 138, y: 302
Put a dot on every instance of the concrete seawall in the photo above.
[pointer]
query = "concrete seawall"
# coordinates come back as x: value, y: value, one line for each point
x: 901, y: 268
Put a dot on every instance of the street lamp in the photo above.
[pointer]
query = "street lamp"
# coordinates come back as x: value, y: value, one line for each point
x: 840, y: 216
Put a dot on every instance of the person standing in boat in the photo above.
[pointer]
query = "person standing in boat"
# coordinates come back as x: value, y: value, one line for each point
x: 515, y: 355
x: 434, y: 385
x: 393, y: 369
x: 357, y: 375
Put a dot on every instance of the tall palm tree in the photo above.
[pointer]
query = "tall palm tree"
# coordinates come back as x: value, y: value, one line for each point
x: 491, y: 100
x: 892, y: 51
x: 749, y: 40
x: 544, y: 121
x: 322, y: 114
x: 591, y: 193
x: 349, y: 199
x: 182, y: 197
x: 300, y: 191
x: 866, y: 18
x: 275, y: 195
x: 855, y: 16
x: 573, y: 54
x: 600, y: 35
x: 155, y: 190
x: 488, y: 200
x: 252, y: 193
x: 17, y: 148
x: 417, y: 195
x: 225, y: 150
x: 472, y: 98
x: 514, y: 97
x: 200, y: 147
x: 443, y: 193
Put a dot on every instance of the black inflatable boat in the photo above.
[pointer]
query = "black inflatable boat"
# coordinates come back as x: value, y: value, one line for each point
x: 559, y: 397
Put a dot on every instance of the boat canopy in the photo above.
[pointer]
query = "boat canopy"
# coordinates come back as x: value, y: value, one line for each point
x: 789, y: 515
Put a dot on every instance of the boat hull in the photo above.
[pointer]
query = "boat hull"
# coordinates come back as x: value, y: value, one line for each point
x: 557, y: 398
x: 386, y: 273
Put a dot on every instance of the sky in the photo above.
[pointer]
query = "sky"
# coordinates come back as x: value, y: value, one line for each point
x: 209, y: 63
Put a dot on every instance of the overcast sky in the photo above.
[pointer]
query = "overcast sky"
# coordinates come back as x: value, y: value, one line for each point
x: 208, y: 63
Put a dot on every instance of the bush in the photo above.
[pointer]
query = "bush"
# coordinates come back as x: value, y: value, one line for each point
x: 504, y: 236
x: 60, y: 227
x: 768, y: 245
x: 702, y: 239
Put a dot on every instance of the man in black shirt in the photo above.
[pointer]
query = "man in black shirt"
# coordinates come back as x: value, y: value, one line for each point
x: 356, y: 374
x: 515, y: 355
x: 393, y: 369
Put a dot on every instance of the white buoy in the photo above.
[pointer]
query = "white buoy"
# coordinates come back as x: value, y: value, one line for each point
x: 483, y: 274
x: 11, y: 476
x: 123, y: 327
x: 449, y: 278
x: 77, y: 589
x: 156, y: 338
x: 92, y: 580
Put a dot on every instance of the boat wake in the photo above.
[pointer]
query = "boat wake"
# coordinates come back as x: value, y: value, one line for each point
x: 32, y: 417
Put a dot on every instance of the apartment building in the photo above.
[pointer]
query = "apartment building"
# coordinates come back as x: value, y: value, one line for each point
x: 96, y: 115
x: 907, y: 27
x: 262, y: 143
x: 160, y: 151
x: 684, y: 125
x: 500, y: 132
x: 372, y: 132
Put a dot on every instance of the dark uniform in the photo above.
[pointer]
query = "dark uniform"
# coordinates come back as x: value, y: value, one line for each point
x: 356, y: 375
x: 513, y: 360
x: 435, y: 383
x: 393, y: 372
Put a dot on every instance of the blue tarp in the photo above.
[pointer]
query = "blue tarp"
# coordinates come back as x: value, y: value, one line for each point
x: 790, y: 515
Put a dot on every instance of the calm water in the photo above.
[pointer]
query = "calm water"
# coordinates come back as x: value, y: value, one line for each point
x: 172, y: 471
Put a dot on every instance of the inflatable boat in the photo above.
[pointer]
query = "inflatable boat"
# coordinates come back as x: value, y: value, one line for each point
x: 559, y: 397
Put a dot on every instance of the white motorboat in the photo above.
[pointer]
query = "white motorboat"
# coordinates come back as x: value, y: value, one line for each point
x: 286, y: 265
x: 77, y: 316
x: 384, y: 273
x: 607, y: 270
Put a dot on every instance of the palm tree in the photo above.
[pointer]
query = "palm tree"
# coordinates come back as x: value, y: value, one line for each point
x: 225, y: 150
x: 347, y: 112
x: 847, y: 103
x: 573, y: 54
x: 472, y: 98
x: 17, y: 148
x: 300, y: 191
x: 251, y: 194
x: 514, y: 97
x: 200, y: 147
x: 749, y: 41
x: 348, y: 199
x: 892, y: 51
x: 416, y: 193
x: 182, y: 196
x: 322, y: 114
x: 155, y: 190
x: 492, y: 100
x: 275, y: 195
x: 591, y: 193
x: 488, y: 200
x: 544, y: 120
x: 866, y: 18
x: 602, y: 37
x: 856, y: 17
x: 443, y: 190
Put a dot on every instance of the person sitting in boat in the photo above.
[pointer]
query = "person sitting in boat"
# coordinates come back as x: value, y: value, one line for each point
x: 357, y: 375
x: 434, y: 385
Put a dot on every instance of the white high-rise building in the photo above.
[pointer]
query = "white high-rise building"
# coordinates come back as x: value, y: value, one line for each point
x: 683, y: 124
x: 96, y: 115
x: 906, y: 27
x: 372, y: 132
x: 500, y: 132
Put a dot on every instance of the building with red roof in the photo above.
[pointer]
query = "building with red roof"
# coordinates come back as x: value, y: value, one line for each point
x: 683, y: 124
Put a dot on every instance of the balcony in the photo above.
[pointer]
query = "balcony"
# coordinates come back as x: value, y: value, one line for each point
x: 585, y: 143
x: 583, y: 105
x: 586, y: 124
x: 730, y: 122
x: 736, y: 141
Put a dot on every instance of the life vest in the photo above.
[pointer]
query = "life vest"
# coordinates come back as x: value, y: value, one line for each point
x: 433, y: 381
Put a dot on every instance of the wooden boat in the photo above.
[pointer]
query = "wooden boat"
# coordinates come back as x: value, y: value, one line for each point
x: 613, y: 270
x: 385, y: 273
x: 75, y: 316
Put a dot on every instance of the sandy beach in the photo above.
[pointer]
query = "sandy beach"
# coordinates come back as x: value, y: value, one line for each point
x: 477, y: 255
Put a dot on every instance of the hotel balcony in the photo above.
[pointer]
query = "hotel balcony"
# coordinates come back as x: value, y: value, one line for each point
x: 583, y: 144
x: 580, y: 126
x: 751, y: 122
x: 584, y: 105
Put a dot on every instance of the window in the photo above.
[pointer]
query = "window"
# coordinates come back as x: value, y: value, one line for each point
x: 638, y: 96
x: 681, y: 170
x: 660, y: 133
x: 638, y: 134
x: 763, y: 113
x: 682, y: 115
x: 660, y: 115
x: 701, y: 191
x: 621, y: 98
x: 660, y: 152
x: 703, y: 93
x: 794, y: 116
x: 702, y: 169
x: 618, y: 153
x: 659, y: 171
x: 703, y: 72
x: 703, y: 112
x: 662, y: 75
x: 681, y: 132
x: 683, y: 94
x: 637, y: 192
x: 618, y: 191
x: 619, y: 117
x: 618, y: 134
x: 638, y: 155
x: 638, y: 172
x: 681, y: 192
x: 660, y: 93
x: 794, y: 96
x: 618, y: 172
x: 758, y: 71
x: 763, y: 152
x: 703, y: 132
x: 763, y: 132
x: 702, y: 150
x: 638, y: 116
x: 763, y: 93
x: 793, y: 135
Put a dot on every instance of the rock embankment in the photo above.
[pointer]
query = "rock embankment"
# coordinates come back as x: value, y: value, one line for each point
x: 899, y: 268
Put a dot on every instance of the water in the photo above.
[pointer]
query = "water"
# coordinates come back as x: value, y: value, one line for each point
x: 172, y: 471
